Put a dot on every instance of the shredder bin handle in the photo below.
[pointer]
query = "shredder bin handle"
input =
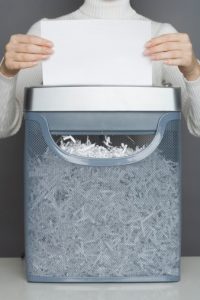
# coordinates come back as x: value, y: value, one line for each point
x: 103, y: 162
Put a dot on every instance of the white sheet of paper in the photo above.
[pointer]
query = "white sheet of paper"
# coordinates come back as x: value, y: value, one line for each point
x: 97, y: 52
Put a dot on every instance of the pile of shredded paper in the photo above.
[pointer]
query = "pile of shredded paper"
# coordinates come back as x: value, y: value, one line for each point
x: 112, y: 221
x: 88, y: 149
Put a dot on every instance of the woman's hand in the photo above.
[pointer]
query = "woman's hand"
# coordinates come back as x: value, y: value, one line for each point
x: 175, y: 49
x: 24, y: 51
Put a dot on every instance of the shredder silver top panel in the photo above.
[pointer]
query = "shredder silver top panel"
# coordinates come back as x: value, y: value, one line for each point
x: 102, y: 98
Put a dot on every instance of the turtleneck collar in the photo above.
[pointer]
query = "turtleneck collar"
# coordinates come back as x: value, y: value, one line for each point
x: 107, y: 9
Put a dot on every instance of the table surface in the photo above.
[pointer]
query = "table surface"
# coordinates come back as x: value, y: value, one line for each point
x: 13, y: 286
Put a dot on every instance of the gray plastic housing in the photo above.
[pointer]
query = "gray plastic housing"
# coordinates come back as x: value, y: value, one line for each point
x: 102, y: 98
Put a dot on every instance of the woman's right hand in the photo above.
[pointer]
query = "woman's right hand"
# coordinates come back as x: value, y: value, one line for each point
x: 24, y: 51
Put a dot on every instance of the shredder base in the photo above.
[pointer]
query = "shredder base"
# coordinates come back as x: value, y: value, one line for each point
x: 134, y: 279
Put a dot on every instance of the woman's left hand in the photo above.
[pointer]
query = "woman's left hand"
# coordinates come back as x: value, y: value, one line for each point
x: 175, y: 49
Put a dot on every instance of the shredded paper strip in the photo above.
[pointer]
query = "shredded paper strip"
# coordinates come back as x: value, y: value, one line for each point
x: 103, y: 222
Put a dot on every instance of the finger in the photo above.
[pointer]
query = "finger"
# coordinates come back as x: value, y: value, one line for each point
x: 30, y: 48
x: 167, y: 55
x: 24, y: 57
x: 173, y: 62
x: 21, y: 65
x: 171, y: 37
x: 30, y: 39
x: 169, y: 46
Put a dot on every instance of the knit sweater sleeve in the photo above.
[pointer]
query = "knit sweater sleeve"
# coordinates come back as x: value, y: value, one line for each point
x: 190, y: 91
x: 9, y: 106
x: 11, y: 95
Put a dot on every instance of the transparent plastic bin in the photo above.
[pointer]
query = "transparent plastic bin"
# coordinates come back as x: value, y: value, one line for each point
x: 97, y: 219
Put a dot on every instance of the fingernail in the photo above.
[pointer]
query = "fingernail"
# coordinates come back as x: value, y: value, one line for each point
x: 45, y: 57
x: 145, y: 52
x: 50, y: 44
x: 148, y: 44
x: 50, y: 51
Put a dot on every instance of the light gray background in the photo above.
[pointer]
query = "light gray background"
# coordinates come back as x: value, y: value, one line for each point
x: 17, y: 17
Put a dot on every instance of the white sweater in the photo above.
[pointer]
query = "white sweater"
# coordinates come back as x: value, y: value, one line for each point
x: 12, y: 89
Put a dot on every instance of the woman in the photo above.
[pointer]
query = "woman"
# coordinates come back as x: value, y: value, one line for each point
x: 171, y: 52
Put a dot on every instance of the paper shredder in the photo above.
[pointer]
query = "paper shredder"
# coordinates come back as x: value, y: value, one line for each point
x: 102, y: 219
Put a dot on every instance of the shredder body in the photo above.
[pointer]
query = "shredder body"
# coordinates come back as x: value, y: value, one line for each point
x: 102, y: 219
